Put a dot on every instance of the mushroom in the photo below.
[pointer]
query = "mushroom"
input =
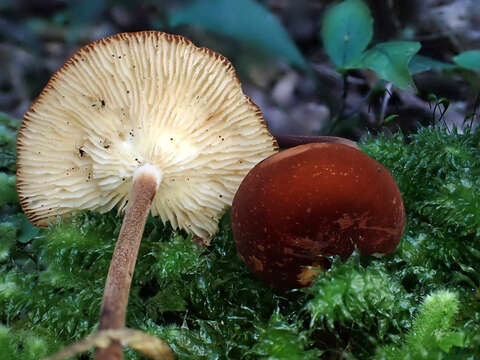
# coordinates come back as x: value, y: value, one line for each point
x: 147, y: 119
x: 297, y: 208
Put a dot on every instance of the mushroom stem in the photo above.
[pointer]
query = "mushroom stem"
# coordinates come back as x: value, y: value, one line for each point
x: 146, y: 180
x: 288, y: 141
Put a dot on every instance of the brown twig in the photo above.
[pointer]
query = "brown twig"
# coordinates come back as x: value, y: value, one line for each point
x: 386, y: 99
x: 117, y: 287
x: 288, y: 141
x: 145, y: 344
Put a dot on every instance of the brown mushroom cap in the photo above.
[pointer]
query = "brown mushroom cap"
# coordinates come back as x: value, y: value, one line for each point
x: 300, y: 206
x: 132, y: 99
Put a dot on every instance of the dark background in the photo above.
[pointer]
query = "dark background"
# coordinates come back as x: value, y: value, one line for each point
x: 37, y: 36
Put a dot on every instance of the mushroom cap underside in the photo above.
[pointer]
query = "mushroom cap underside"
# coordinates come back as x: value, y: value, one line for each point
x: 137, y: 98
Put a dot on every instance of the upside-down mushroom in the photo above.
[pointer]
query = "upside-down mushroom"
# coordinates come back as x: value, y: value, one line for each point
x: 145, y: 122
x: 297, y: 208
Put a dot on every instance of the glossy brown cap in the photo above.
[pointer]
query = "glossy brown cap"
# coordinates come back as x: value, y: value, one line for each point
x: 300, y: 206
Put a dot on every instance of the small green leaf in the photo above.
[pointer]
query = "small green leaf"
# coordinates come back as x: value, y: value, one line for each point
x: 432, y: 97
x: 7, y: 160
x: 246, y: 21
x: 7, y: 136
x: 390, y: 61
x: 347, y: 30
x: 26, y: 230
x: 468, y: 59
x: 8, y: 121
x: 421, y: 63
x: 444, y: 102
x: 390, y: 118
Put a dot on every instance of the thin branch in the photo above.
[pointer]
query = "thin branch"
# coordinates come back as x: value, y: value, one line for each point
x: 343, y: 105
x: 386, y: 99
x: 145, y: 344
x: 288, y: 141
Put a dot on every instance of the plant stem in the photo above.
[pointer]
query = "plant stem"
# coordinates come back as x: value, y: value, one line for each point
x: 145, y: 183
x: 343, y: 106
x: 386, y: 99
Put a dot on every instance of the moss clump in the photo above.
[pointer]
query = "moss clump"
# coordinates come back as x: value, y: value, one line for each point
x: 432, y: 335
x: 438, y: 174
x: 351, y: 300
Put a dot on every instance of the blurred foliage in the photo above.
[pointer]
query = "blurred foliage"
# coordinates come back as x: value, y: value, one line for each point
x: 347, y: 30
x: 420, y: 63
x: 275, y: 46
x: 390, y: 61
x: 468, y: 59
x: 8, y: 193
x: 7, y: 151
x: 246, y: 21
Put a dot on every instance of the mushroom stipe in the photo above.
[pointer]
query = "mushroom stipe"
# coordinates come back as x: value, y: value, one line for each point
x: 146, y: 180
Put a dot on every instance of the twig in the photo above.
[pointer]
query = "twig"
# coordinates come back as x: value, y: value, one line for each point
x: 476, y: 105
x: 343, y: 105
x: 473, y: 114
x: 145, y: 344
x: 386, y: 99
x: 288, y: 141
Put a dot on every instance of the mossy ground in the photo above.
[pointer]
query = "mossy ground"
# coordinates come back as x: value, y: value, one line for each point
x: 422, y: 302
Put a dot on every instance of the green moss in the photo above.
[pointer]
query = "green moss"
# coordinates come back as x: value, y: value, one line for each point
x: 8, y: 233
x: 206, y: 304
x: 279, y: 339
x: 432, y: 335
x: 8, y: 127
x: 8, y: 191
x: 353, y: 300
x: 25, y: 345
x: 438, y: 175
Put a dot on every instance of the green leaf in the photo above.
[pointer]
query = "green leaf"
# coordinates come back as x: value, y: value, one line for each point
x: 432, y: 97
x: 7, y: 136
x: 246, y: 21
x: 390, y: 61
x: 8, y: 121
x: 7, y: 159
x: 26, y: 230
x: 421, y: 63
x: 390, y: 118
x: 468, y: 59
x: 347, y: 30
